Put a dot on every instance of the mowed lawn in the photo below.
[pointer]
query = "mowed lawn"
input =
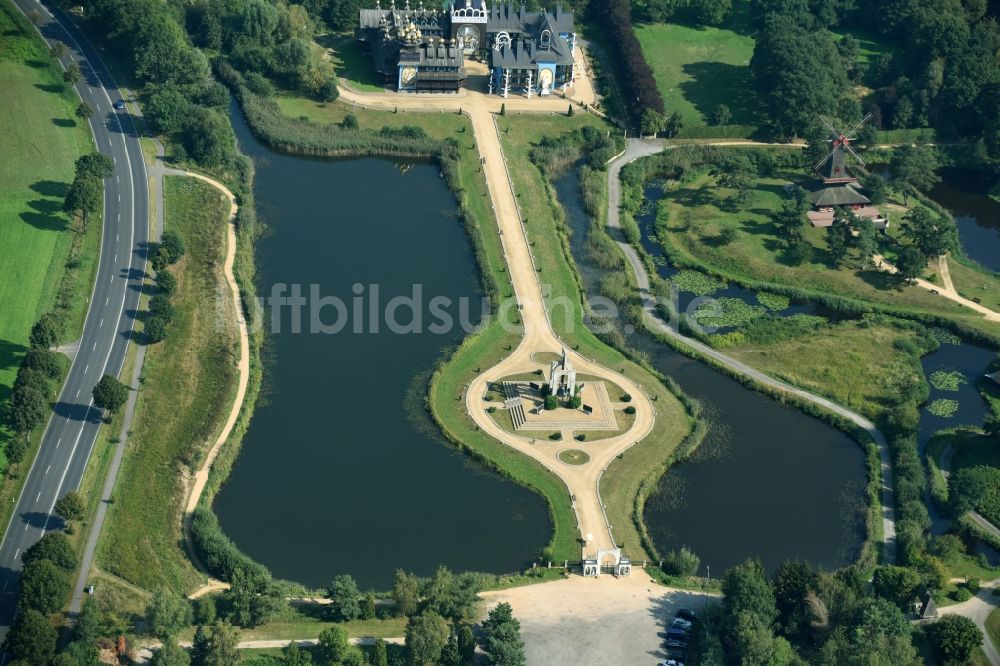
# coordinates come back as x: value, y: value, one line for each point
x: 698, y: 68
x: 39, y: 143
x: 188, y: 385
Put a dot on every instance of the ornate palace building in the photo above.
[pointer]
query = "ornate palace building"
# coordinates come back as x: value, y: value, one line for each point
x: 424, y: 50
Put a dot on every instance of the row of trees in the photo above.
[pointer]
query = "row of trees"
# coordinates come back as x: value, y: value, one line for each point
x: 161, y: 312
x: 639, y: 86
x: 698, y: 12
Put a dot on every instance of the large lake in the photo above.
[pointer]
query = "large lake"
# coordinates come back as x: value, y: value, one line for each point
x: 341, y: 470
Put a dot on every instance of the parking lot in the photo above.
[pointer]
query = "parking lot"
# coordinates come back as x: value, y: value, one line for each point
x: 603, y: 621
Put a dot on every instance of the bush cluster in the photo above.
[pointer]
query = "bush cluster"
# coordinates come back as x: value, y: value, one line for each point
x: 637, y: 76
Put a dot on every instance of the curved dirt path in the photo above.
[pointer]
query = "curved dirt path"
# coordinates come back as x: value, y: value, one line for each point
x: 200, y: 477
x: 638, y: 148
x: 581, y: 480
x: 947, y: 290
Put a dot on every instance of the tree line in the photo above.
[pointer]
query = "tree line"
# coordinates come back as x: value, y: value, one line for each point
x: 800, y: 615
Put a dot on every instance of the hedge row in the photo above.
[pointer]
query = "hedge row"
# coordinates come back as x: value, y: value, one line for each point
x: 637, y: 76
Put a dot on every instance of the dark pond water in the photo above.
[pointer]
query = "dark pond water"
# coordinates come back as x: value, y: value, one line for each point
x: 964, y: 193
x: 767, y: 482
x: 341, y: 470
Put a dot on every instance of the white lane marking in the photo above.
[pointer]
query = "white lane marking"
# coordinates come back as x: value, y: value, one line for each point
x: 86, y: 368
x: 119, y: 197
x: 101, y: 323
x: 116, y: 178
x: 116, y: 257
x: 94, y: 348
x: 77, y: 394
x: 26, y: 527
x: 105, y: 302
x: 60, y: 439
x: 47, y: 469
x: 39, y: 496
x: 116, y: 235
x: 16, y: 553
x: 109, y: 142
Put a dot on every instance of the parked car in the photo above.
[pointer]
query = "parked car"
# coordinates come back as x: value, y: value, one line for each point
x: 119, y: 104
x: 687, y: 614
x: 671, y: 662
x: 681, y: 623
x: 674, y: 644
x: 678, y: 633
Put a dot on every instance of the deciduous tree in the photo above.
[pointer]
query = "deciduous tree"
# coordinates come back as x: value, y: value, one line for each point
x: 110, y: 394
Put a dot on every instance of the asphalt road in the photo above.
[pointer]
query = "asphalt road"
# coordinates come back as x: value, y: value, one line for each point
x: 73, y: 427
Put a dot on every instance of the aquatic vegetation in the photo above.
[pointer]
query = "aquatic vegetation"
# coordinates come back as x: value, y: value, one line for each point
x: 774, y: 302
x: 947, y: 380
x: 727, y: 312
x: 943, y: 408
x: 697, y: 282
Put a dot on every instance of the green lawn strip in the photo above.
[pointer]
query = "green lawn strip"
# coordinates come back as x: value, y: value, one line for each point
x: 855, y: 364
x: 100, y: 458
x: 186, y: 390
x: 546, y: 230
x: 697, y: 68
x: 694, y: 212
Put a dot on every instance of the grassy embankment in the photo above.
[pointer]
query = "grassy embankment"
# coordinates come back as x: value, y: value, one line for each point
x: 698, y: 68
x: 49, y: 260
x: 697, y: 213
x: 621, y: 483
x: 187, y: 388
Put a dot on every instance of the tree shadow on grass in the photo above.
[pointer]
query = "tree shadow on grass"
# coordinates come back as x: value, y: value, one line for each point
x: 10, y: 357
x: 881, y: 280
x: 50, y: 87
x: 44, y: 221
x: 714, y: 83
x: 64, y: 122
x: 51, y: 188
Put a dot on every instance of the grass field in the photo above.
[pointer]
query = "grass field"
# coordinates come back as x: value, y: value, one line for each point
x: 697, y: 68
x: 856, y: 365
x: 187, y: 387
x: 40, y: 139
x: 621, y: 483
x: 695, y: 211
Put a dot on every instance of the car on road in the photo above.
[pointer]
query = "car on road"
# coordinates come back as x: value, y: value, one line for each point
x: 119, y: 105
